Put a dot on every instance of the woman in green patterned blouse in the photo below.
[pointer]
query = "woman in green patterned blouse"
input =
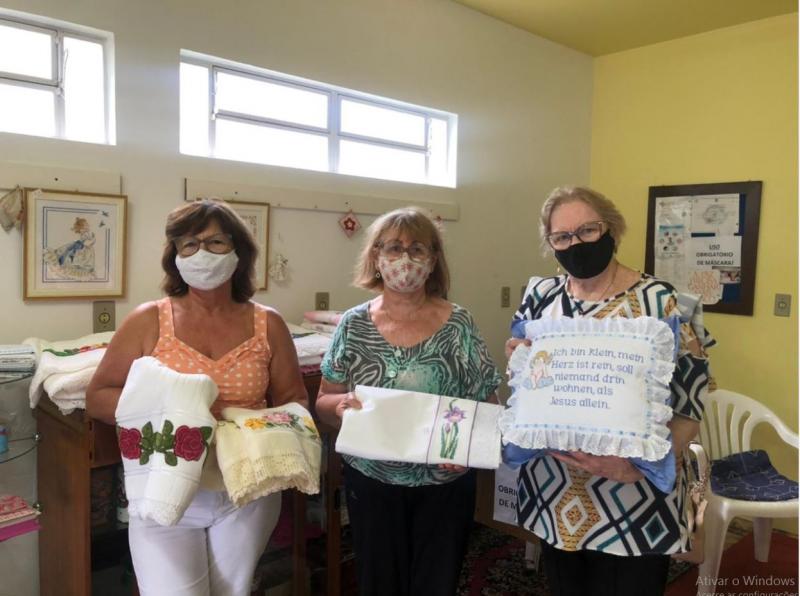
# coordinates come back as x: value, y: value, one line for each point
x: 410, y: 522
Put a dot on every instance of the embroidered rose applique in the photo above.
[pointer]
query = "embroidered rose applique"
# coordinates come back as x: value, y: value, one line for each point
x: 188, y: 443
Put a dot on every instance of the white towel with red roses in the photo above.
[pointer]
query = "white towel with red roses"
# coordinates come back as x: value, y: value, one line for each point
x: 421, y: 428
x: 165, y: 428
x: 265, y: 451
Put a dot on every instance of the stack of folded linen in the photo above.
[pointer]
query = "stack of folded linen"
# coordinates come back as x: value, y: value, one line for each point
x: 64, y: 369
x: 310, y: 345
x: 322, y: 321
x: 16, y: 362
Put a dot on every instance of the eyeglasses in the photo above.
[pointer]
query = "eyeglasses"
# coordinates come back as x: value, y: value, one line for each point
x: 588, y: 232
x: 219, y: 244
x: 416, y: 251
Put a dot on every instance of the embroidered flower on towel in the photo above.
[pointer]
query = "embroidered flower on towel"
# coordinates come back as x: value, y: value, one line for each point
x: 282, y: 419
x: 453, y: 415
x: 129, y: 443
x: 255, y: 423
x: 189, y: 443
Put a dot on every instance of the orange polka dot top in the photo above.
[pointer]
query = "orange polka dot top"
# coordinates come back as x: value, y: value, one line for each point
x: 242, y: 375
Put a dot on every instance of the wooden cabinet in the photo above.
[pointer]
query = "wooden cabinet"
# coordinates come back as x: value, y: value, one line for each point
x: 71, y: 446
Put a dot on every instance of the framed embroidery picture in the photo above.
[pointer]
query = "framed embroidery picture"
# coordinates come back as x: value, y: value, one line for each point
x: 74, y: 245
x: 256, y: 216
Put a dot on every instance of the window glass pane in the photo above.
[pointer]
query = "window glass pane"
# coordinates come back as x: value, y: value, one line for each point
x: 275, y: 146
x: 437, y: 162
x: 362, y: 159
x: 84, y: 91
x: 26, y: 52
x: 268, y: 100
x: 382, y: 123
x: 194, y: 109
x: 27, y: 111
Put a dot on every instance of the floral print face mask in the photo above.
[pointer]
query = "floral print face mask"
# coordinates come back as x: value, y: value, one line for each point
x: 404, y: 275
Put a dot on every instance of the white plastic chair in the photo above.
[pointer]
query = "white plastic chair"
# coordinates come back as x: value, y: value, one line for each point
x: 727, y: 426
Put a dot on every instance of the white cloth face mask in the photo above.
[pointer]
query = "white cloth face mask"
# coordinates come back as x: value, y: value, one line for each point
x: 404, y: 275
x: 206, y: 270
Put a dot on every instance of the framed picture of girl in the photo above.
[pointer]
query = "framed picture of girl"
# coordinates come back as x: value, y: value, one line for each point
x: 74, y: 245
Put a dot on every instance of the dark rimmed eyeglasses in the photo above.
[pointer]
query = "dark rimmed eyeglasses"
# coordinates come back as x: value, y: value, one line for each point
x: 588, y: 232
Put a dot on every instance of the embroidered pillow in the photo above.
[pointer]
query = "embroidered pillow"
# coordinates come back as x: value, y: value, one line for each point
x: 595, y: 385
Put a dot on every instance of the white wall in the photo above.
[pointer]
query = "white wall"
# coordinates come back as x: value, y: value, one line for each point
x: 524, y: 108
x: 524, y: 116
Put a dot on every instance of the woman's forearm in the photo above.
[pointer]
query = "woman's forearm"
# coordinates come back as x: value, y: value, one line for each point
x: 101, y: 404
x: 326, y: 408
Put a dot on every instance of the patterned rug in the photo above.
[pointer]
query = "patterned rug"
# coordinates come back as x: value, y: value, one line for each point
x: 495, y: 565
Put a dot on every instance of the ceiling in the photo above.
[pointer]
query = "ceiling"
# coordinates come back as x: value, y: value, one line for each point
x: 598, y: 27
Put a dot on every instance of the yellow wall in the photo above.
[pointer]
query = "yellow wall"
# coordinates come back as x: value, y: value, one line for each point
x: 716, y: 107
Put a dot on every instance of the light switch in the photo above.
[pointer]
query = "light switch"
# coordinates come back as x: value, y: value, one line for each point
x: 103, y: 316
x: 322, y: 301
x: 505, y: 296
x: 783, y: 305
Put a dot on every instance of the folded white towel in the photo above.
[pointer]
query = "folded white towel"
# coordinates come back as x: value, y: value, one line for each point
x: 69, y: 383
x: 168, y: 413
x: 55, y: 363
x: 265, y: 451
x: 421, y: 428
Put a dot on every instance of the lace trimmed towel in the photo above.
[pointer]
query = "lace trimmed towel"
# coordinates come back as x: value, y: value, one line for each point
x: 265, y: 451
x: 595, y: 385
x: 421, y: 428
x: 165, y: 427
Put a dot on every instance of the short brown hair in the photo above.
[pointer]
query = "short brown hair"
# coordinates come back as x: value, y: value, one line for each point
x: 414, y: 222
x: 194, y: 218
x: 605, y: 208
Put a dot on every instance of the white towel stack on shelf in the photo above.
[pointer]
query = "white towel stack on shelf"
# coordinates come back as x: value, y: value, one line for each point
x: 310, y: 345
x: 166, y: 427
x: 64, y: 369
x: 16, y: 362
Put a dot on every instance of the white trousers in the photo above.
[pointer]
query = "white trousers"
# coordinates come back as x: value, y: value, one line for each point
x: 212, y: 551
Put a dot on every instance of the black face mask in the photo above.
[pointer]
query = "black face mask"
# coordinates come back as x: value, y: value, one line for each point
x: 587, y: 259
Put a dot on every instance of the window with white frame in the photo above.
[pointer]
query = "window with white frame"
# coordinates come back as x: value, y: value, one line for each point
x: 232, y: 111
x: 54, y: 81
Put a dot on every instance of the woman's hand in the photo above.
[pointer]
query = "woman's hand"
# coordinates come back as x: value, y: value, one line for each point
x: 615, y: 468
x: 347, y: 402
x: 512, y: 343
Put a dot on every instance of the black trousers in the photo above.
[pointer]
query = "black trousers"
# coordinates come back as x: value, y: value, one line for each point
x: 409, y: 540
x: 592, y: 573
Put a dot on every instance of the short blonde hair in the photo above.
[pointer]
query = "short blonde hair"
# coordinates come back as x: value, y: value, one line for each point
x: 605, y: 208
x: 420, y: 228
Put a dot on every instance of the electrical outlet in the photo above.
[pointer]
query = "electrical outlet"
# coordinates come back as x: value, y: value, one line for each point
x: 322, y: 301
x: 783, y: 305
x: 505, y: 297
x: 103, y: 316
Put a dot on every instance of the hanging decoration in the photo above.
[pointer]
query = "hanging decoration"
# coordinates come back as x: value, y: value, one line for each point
x: 349, y: 224
x: 278, y: 270
x: 11, y: 209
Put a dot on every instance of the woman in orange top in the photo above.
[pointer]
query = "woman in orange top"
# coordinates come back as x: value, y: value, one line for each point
x: 206, y: 324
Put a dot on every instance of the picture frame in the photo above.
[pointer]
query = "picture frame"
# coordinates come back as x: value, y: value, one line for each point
x: 703, y: 238
x: 74, y: 245
x: 256, y: 216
